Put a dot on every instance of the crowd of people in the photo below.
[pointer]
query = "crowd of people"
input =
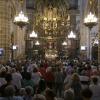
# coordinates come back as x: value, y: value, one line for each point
x: 49, y: 80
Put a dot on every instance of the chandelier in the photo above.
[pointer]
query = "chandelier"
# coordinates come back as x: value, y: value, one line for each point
x: 96, y: 42
x: 37, y: 43
x: 71, y: 35
x: 21, y: 19
x: 64, y: 43
x: 33, y: 35
x: 90, y: 20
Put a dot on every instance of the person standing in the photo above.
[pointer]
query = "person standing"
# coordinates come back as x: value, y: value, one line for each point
x: 76, y: 86
x: 16, y: 78
x: 49, y: 78
x: 95, y: 88
x: 59, y: 78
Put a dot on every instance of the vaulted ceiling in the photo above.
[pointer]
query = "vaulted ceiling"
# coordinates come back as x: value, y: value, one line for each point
x: 70, y: 4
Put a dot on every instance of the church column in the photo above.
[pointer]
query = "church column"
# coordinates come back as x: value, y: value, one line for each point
x: 99, y: 31
x: 5, y: 28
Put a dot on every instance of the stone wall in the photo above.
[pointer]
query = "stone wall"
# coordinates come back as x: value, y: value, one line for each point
x: 8, y: 9
x: 5, y: 15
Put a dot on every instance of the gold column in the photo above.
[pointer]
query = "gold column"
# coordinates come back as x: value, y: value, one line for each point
x: 99, y: 31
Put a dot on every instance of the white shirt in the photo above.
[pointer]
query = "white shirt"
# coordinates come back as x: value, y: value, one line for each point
x: 16, y: 79
x: 2, y: 81
x: 30, y: 68
x: 84, y: 78
x: 36, y: 78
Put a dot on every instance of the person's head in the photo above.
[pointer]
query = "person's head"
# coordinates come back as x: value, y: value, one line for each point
x: 2, y: 74
x: 49, y: 69
x: 9, y: 91
x: 39, y: 97
x: 29, y: 90
x: 22, y: 92
x: 49, y: 94
x: 68, y: 95
x: 8, y: 78
x: 13, y: 70
x: 75, y: 77
x: 28, y: 76
x: 95, y: 80
x: 86, y: 94
x: 3, y: 71
x: 35, y: 70
x: 67, y: 86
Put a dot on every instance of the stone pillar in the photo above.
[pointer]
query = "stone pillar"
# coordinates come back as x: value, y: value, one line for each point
x: 83, y: 28
x: 99, y: 31
x: 8, y: 9
x: 5, y: 29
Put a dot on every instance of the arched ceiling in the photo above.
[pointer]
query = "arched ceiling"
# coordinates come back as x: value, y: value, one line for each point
x: 70, y: 4
x: 92, y: 5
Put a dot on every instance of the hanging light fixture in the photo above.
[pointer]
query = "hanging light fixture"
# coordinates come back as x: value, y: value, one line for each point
x: 83, y: 48
x: 96, y: 41
x: 64, y: 43
x: 71, y: 35
x: 90, y: 20
x: 37, y: 43
x: 21, y: 20
x: 33, y: 35
x: 14, y: 47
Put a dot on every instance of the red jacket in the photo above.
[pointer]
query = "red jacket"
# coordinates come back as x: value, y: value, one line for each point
x: 49, y: 76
